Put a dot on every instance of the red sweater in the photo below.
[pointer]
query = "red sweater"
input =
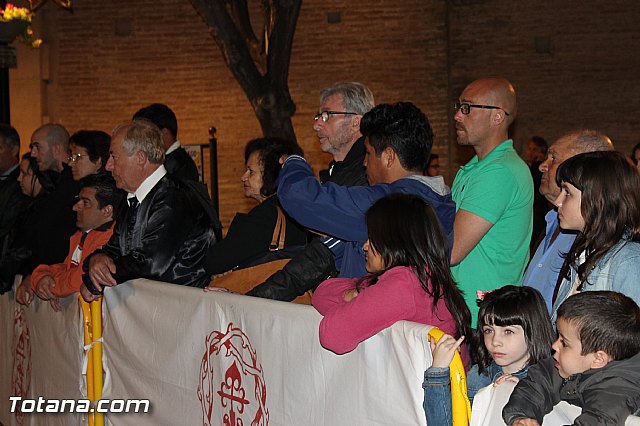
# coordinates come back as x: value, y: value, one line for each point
x: 396, y: 296
x: 68, y: 275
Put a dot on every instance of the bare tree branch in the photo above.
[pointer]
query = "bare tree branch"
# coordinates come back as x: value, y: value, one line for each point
x: 260, y: 64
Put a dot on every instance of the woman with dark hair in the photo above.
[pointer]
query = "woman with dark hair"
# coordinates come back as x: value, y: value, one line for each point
x: 250, y: 235
x: 19, y: 258
x: 600, y: 199
x: 89, y: 152
x: 409, y: 279
x: 635, y: 156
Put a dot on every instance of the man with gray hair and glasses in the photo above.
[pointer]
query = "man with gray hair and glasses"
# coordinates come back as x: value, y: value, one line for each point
x: 337, y: 124
x: 163, y: 230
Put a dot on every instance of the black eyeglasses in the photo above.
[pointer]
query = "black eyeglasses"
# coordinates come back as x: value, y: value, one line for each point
x: 325, y: 115
x: 465, y: 107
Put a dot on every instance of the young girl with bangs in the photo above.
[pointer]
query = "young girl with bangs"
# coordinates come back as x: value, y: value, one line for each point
x: 513, y: 332
x: 409, y: 279
x: 600, y: 199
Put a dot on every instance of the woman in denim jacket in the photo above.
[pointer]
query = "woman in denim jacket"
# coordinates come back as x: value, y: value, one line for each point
x: 600, y: 199
x: 513, y: 332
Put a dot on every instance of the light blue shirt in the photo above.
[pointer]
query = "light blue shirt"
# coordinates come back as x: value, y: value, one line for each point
x: 544, y: 267
x: 618, y: 270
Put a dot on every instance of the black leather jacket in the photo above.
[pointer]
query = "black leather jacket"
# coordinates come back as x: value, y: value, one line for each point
x: 172, y: 233
x: 316, y: 263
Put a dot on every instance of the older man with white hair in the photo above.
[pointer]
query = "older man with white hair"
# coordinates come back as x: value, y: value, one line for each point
x: 164, y: 229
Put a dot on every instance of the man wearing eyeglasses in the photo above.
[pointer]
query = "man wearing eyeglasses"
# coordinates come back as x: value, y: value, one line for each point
x: 337, y: 124
x: 493, y: 193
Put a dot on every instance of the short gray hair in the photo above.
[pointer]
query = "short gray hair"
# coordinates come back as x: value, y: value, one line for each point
x: 356, y: 96
x: 588, y: 140
x: 142, y: 135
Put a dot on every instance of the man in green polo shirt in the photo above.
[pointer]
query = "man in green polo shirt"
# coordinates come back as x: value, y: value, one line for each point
x: 493, y: 193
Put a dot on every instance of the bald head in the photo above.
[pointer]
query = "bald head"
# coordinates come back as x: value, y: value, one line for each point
x: 489, y: 109
x: 570, y: 144
x: 498, y: 91
x: 587, y: 140
x: 50, y: 146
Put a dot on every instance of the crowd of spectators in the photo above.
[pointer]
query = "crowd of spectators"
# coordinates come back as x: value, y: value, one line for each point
x: 379, y: 236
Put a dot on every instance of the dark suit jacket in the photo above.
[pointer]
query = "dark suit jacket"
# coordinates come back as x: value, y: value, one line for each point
x: 171, y: 235
x: 180, y: 164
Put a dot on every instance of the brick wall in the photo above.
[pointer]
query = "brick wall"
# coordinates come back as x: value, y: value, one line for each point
x: 574, y: 64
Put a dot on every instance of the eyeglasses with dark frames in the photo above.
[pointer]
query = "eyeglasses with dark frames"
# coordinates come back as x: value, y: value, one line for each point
x: 465, y: 107
x: 325, y: 115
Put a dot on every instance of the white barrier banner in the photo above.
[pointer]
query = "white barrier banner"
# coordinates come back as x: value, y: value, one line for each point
x: 224, y: 359
x: 40, y: 361
x: 208, y: 359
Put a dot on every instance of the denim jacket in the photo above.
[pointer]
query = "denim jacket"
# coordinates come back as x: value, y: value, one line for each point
x: 618, y: 270
x: 437, y: 390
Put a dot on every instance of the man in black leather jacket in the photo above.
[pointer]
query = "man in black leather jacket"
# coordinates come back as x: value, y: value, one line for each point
x: 164, y: 229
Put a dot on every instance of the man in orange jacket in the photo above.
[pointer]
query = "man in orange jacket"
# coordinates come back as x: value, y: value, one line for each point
x: 98, y: 200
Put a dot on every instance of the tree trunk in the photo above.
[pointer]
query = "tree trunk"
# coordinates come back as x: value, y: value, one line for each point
x: 260, y: 64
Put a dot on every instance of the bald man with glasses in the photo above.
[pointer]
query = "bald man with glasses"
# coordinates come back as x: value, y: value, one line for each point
x: 493, y: 193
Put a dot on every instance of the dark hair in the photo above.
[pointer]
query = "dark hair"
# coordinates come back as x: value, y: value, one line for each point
x: 610, y: 205
x: 106, y: 191
x: 10, y: 135
x: 514, y: 305
x: 541, y: 143
x: 96, y: 143
x: 432, y: 158
x: 633, y: 154
x: 606, y: 321
x: 405, y: 230
x: 43, y: 178
x: 269, y: 152
x: 404, y: 128
x: 160, y: 115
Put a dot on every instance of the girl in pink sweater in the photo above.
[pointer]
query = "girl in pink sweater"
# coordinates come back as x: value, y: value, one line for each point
x: 409, y: 279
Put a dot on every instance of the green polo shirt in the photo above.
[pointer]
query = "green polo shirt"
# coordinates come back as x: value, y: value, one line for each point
x: 499, y: 189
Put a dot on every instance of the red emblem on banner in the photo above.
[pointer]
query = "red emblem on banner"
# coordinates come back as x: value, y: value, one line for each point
x: 230, y: 366
x: 21, y: 375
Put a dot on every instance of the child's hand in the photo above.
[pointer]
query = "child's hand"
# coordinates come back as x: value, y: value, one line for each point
x: 525, y: 422
x: 506, y: 378
x: 443, y: 351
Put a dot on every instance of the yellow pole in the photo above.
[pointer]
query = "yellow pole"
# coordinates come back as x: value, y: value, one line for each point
x: 86, y: 317
x: 460, y: 406
x: 96, y: 325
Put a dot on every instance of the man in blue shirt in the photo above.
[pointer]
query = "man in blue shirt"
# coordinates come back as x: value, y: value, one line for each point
x: 545, y: 265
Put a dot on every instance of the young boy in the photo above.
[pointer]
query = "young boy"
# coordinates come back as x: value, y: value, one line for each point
x: 596, y: 364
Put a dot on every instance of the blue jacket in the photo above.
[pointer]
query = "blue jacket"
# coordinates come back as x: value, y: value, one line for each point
x: 339, y: 211
x: 618, y: 270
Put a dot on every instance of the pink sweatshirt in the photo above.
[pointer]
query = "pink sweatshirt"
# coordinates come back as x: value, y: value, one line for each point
x: 396, y: 296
